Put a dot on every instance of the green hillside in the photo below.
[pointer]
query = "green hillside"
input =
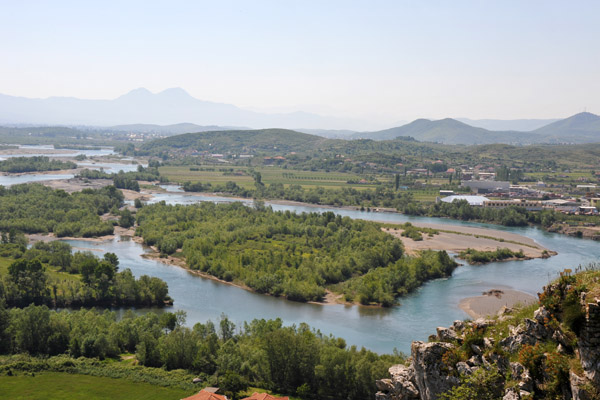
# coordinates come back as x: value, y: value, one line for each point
x: 580, y: 128
x: 450, y: 131
x: 239, y: 141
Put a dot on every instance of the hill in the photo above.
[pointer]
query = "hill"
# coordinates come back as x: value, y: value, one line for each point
x: 449, y: 131
x: 580, y: 128
x: 522, y: 125
x: 238, y: 141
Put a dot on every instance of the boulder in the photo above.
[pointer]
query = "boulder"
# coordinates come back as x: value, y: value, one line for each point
x: 482, y: 323
x: 541, y: 315
x: 464, y: 369
x: 536, y: 329
x: 400, y: 387
x: 458, y: 325
x: 431, y: 376
x: 446, y: 335
x: 511, y: 394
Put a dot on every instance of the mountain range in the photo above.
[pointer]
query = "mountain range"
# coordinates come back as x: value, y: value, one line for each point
x: 171, y: 106
x: 579, y: 128
x: 162, y: 113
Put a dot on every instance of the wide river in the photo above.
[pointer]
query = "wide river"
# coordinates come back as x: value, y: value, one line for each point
x: 434, y: 304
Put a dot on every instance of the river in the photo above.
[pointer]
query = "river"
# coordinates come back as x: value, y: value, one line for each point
x: 434, y: 304
x: 43, y: 150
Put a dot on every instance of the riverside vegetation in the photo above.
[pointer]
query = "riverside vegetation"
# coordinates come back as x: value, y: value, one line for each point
x: 298, y: 256
x: 294, y: 360
x: 49, y: 274
x: 34, y: 164
x: 34, y: 208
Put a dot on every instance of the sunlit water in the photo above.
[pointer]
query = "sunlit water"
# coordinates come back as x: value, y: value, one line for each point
x: 108, y: 167
x: 382, y: 330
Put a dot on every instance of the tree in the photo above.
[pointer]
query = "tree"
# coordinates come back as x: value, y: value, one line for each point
x: 30, y: 278
x: 4, y: 324
x: 112, y: 259
x: 127, y: 219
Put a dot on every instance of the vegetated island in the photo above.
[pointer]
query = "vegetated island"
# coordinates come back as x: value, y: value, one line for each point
x: 298, y: 256
x: 476, y: 245
x: 34, y: 164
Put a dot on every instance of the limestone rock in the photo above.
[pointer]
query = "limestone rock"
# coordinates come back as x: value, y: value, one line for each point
x: 511, y: 394
x: 458, y: 325
x: 541, y: 315
x: 577, y: 390
x: 400, y: 387
x: 589, y: 342
x: 430, y: 376
x: 536, y: 329
x: 446, y: 335
x: 464, y: 369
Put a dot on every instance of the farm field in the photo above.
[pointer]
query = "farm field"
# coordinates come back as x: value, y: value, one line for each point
x: 242, y: 176
x: 64, y: 386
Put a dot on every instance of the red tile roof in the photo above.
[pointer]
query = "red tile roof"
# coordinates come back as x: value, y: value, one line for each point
x: 204, y: 395
x: 264, y: 396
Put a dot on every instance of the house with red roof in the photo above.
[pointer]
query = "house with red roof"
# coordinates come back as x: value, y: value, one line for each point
x: 207, y: 394
x: 264, y: 396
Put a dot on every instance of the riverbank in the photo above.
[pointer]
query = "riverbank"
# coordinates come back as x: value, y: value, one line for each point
x: 330, y: 297
x: 492, y: 301
x: 50, y: 237
x: 25, y: 152
x: 456, y: 238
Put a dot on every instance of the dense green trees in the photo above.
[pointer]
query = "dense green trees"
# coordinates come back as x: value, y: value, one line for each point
x: 125, y: 180
x: 383, y: 196
x: 480, y: 257
x: 293, y: 359
x: 34, y: 208
x: 94, y: 281
x: 33, y: 164
x: 286, y: 254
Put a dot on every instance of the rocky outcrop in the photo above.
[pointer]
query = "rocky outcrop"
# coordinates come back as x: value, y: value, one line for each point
x: 589, y: 342
x: 400, y: 386
x: 431, y: 374
x: 427, y: 376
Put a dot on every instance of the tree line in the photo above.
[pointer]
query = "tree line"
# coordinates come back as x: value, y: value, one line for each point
x: 34, y: 208
x: 34, y: 164
x: 125, y: 180
x: 49, y: 274
x: 262, y: 353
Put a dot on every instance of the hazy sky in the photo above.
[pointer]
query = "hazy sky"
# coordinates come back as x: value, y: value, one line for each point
x: 393, y: 60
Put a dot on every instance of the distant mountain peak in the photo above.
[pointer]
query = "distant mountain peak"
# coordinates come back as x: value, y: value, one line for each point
x: 175, y: 92
x: 585, y: 117
x: 136, y: 93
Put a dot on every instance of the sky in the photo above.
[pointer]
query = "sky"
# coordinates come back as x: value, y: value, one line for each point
x: 384, y: 61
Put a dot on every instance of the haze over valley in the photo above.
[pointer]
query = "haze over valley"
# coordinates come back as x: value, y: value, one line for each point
x: 267, y: 200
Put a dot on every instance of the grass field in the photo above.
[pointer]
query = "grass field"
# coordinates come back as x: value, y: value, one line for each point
x: 221, y: 175
x: 64, y: 386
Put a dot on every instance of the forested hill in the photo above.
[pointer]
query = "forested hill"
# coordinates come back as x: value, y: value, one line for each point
x: 238, y: 141
x: 450, y: 131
